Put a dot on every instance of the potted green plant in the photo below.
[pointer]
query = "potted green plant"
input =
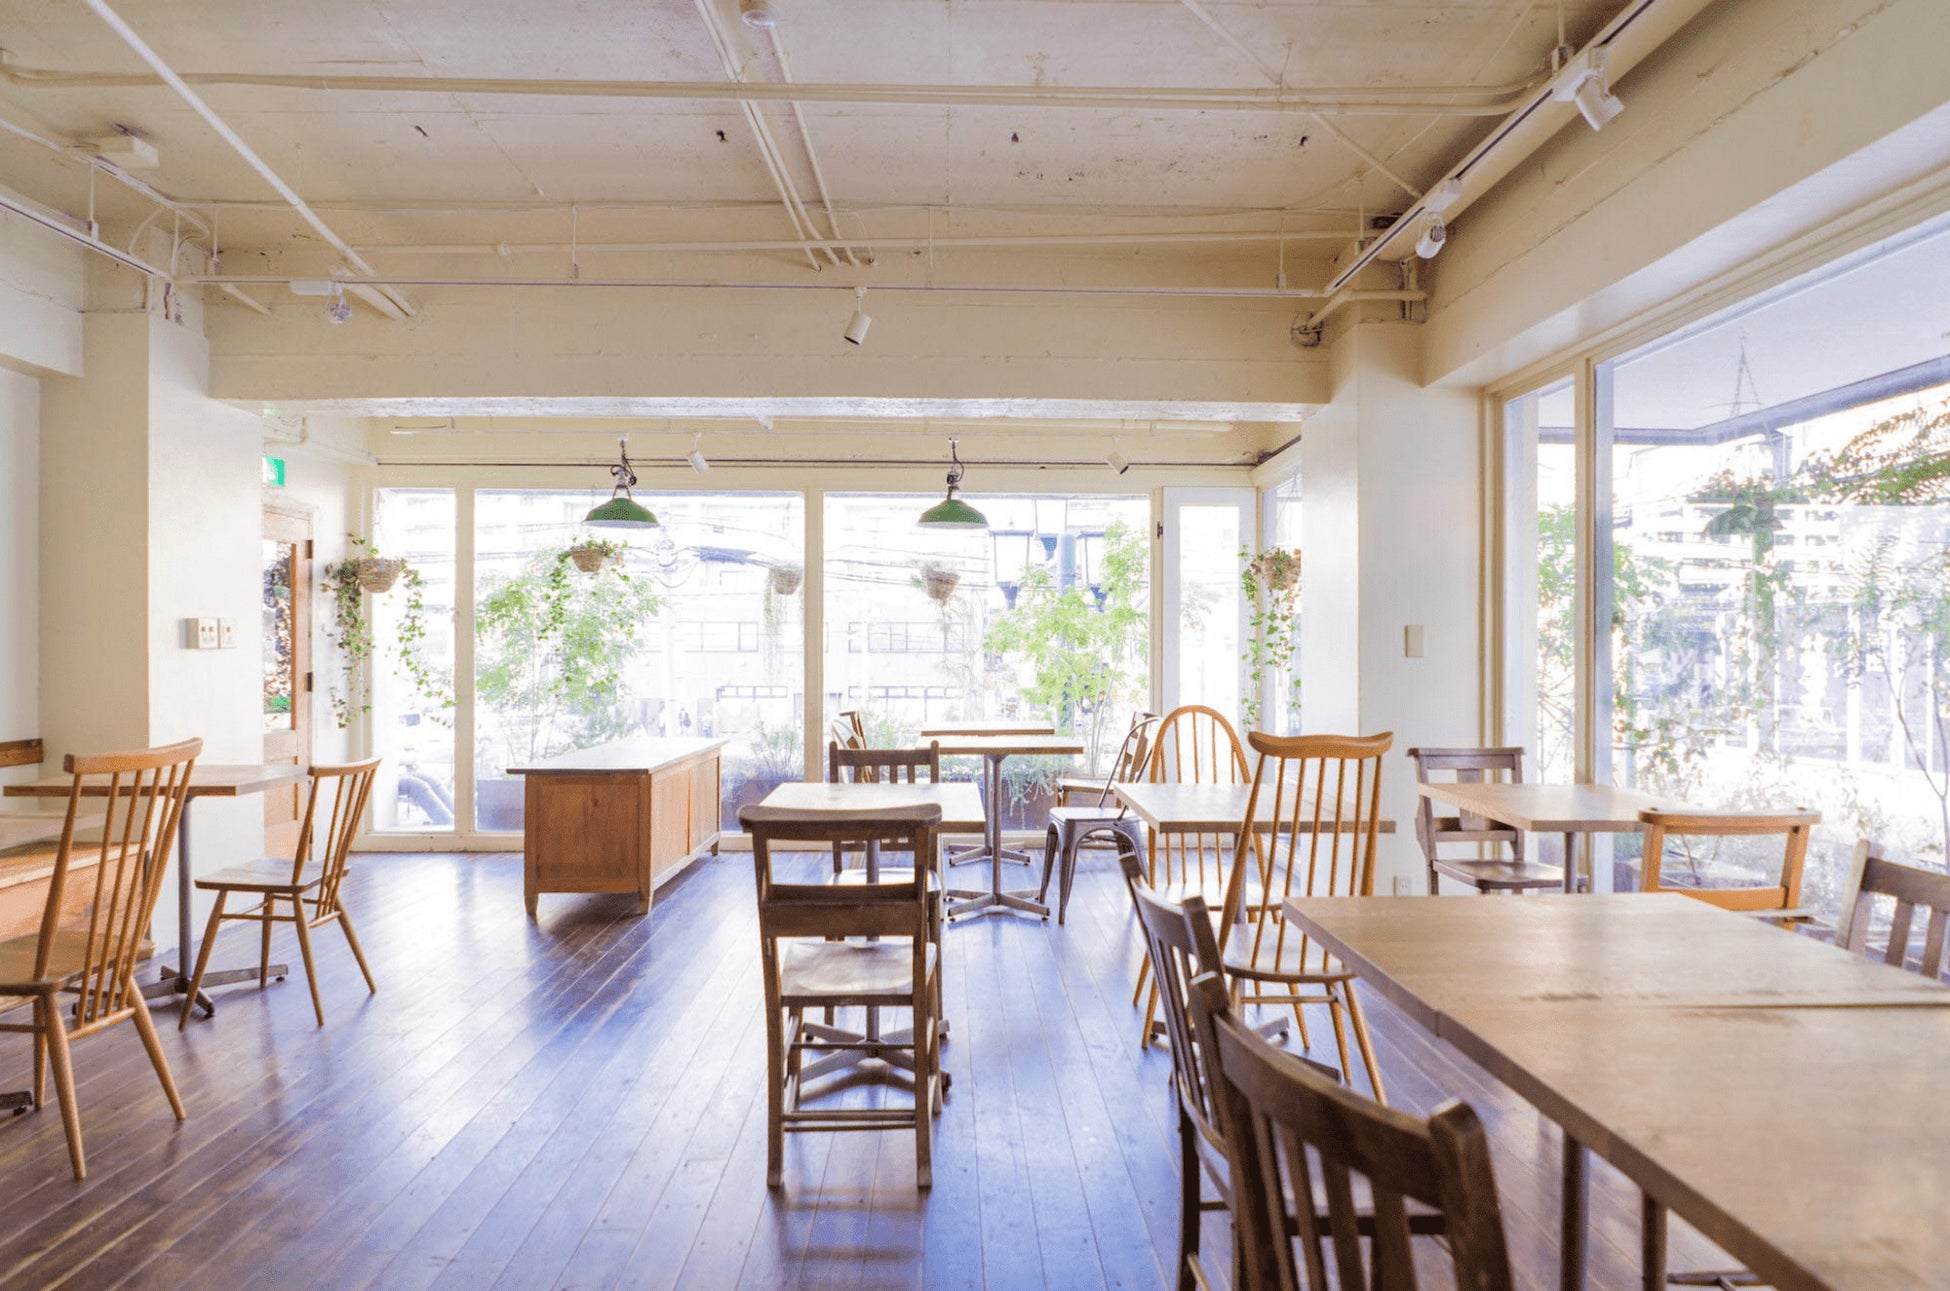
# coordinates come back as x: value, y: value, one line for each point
x: 349, y: 629
x: 938, y: 580
x: 784, y: 579
x: 1271, y: 582
x: 591, y: 554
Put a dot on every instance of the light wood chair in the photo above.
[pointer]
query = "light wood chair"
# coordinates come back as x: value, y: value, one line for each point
x: 284, y: 889
x: 1486, y: 874
x: 1778, y: 900
x: 1293, y: 1135
x: 1070, y: 827
x: 861, y: 765
x: 804, y: 967
x: 1321, y: 796
x: 1912, y: 889
x: 93, y: 957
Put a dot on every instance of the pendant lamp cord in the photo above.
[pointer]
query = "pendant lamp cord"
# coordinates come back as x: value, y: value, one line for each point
x: 625, y: 475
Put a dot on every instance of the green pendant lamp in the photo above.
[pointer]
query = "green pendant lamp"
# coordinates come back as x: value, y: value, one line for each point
x: 951, y: 512
x: 622, y: 511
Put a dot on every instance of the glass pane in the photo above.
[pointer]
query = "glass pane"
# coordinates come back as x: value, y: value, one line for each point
x: 1282, y: 716
x: 1541, y: 581
x: 1044, y: 616
x: 280, y: 645
x: 696, y: 628
x: 1208, y: 606
x: 412, y: 688
x: 1782, y: 607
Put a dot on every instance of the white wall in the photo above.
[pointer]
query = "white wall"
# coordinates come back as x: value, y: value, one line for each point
x: 20, y: 554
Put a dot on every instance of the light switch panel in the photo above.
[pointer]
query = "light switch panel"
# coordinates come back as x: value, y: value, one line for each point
x: 199, y: 634
x: 226, y: 634
x: 1412, y: 641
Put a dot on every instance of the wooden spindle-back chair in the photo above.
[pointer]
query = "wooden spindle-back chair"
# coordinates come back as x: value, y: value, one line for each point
x: 807, y: 963
x: 1781, y: 898
x: 1293, y: 1135
x: 303, y: 891
x: 1315, y: 814
x: 92, y: 955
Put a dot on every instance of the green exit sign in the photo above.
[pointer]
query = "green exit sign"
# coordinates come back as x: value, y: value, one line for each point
x: 274, y: 472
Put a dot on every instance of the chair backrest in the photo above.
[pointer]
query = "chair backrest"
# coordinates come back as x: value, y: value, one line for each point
x: 1173, y: 947
x: 856, y: 724
x: 1791, y: 827
x: 1194, y: 744
x: 897, y: 908
x: 1873, y: 876
x: 348, y: 787
x: 883, y: 766
x: 144, y: 796
x: 1310, y: 827
x: 1133, y: 755
x: 1293, y: 1134
x: 1464, y: 766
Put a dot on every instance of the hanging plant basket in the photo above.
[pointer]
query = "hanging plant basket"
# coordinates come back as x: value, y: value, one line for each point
x: 377, y: 574
x: 784, y: 580
x: 592, y: 555
x: 939, y: 583
x: 1278, y: 568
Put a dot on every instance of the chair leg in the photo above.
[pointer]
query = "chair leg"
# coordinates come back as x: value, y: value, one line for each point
x: 1652, y: 1244
x: 926, y: 1064
x: 57, y: 1052
x: 352, y: 940
x: 1362, y: 1038
x: 775, y: 1076
x: 145, y: 1027
x: 302, y: 924
x: 1050, y: 844
x: 40, y: 1062
x: 267, y: 913
x: 1072, y: 844
x: 1189, y: 1211
x: 202, y: 959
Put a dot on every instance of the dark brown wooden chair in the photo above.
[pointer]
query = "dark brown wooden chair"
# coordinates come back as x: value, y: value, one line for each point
x: 858, y: 764
x: 1911, y: 890
x: 93, y: 957
x: 303, y: 891
x: 806, y: 964
x: 1070, y: 827
x: 1293, y: 1135
x: 1484, y: 873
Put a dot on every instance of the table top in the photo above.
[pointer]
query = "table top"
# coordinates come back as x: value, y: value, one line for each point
x: 624, y: 757
x: 41, y: 823
x: 207, y: 780
x: 1777, y: 1092
x: 960, y: 801
x: 995, y: 726
x: 1552, y: 808
x: 1174, y: 808
x: 1007, y: 745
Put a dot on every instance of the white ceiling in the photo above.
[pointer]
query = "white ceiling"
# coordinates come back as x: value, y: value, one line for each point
x: 976, y: 169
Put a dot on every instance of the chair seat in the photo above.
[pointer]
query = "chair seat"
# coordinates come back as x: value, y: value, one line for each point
x: 1087, y: 815
x: 848, y: 972
x: 1287, y: 968
x: 1509, y: 876
x: 17, y: 961
x: 267, y: 875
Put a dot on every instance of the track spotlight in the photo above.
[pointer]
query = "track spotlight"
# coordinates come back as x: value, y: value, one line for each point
x: 856, y: 326
x: 1432, y: 240
x: 1584, y: 82
x: 757, y: 13
x: 1116, y: 459
x: 696, y: 459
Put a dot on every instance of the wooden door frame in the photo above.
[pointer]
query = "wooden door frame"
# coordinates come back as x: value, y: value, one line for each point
x: 297, y: 516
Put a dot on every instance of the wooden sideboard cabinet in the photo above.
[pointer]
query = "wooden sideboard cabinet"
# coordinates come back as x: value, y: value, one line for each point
x: 621, y: 817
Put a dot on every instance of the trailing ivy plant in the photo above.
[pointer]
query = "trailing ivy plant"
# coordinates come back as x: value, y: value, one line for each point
x: 350, y: 633
x: 1271, y: 582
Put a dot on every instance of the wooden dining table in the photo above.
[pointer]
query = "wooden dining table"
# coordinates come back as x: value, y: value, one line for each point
x: 1568, y: 809
x: 207, y: 780
x: 1782, y: 1095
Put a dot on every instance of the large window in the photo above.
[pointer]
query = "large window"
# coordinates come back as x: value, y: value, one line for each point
x: 693, y: 628
x: 413, y: 706
x: 1540, y: 525
x: 1281, y: 696
x: 1045, y: 615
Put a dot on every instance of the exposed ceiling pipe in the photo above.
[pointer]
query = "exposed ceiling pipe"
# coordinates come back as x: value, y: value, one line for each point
x: 1402, y: 100
x: 768, y: 148
x: 109, y: 168
x: 245, y: 299
x: 56, y: 223
x: 1635, y: 32
x: 142, y: 50
x: 1002, y: 241
x: 805, y: 139
x: 401, y: 280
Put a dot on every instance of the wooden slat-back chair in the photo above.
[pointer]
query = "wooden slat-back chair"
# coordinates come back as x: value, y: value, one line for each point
x: 1781, y: 899
x: 1497, y: 873
x: 93, y: 958
x: 303, y: 891
x: 1321, y: 797
x: 1293, y: 1135
x: 858, y: 764
x: 1912, y: 889
x: 805, y: 966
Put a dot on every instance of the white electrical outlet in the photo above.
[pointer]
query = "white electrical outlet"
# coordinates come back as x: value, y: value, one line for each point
x: 1400, y: 886
x: 226, y: 634
x: 1412, y: 641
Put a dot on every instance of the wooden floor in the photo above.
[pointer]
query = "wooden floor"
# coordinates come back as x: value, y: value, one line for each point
x: 577, y: 1103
